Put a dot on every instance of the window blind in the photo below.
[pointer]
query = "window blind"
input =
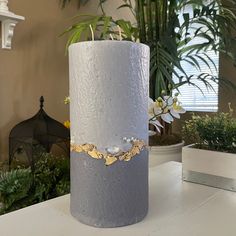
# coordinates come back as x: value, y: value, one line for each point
x: 200, y: 98
x: 203, y: 99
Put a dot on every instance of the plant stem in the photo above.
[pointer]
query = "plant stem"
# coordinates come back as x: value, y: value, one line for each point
x: 149, y: 21
x: 141, y: 21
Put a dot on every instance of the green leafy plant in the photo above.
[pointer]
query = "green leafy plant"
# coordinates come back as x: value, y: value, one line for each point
x: 217, y: 132
x: 14, y: 187
x: 103, y: 26
x: 175, y: 37
x: 22, y: 187
x: 49, y: 172
x: 172, y: 35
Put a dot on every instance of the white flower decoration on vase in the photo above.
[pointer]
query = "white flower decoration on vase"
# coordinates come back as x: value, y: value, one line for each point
x: 165, y: 108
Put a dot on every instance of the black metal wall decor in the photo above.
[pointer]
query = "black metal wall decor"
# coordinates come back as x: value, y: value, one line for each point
x: 41, y: 130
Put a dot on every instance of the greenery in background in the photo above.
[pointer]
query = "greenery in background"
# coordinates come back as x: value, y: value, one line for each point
x: 216, y: 133
x: 172, y: 40
x: 14, y: 188
x: 65, y: 2
x: 21, y: 187
x: 175, y: 37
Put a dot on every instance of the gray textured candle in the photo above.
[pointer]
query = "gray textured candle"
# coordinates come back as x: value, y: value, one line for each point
x: 109, y: 100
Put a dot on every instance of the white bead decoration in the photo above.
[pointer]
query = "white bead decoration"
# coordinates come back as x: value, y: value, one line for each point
x: 113, y: 150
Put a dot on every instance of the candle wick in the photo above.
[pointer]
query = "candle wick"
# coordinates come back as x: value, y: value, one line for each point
x: 92, y: 33
x: 119, y: 30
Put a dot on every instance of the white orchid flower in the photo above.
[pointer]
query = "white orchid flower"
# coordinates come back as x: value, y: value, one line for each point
x: 156, y: 124
x: 169, y: 100
x: 157, y: 111
x: 150, y: 103
x: 174, y: 113
x: 151, y: 106
x: 156, y: 127
x: 167, y: 118
x: 159, y: 105
x: 178, y: 108
x: 166, y: 108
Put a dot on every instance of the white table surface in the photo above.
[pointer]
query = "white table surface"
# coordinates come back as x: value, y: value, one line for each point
x: 176, y: 209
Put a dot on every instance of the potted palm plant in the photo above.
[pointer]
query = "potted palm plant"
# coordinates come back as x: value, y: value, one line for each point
x: 173, y: 35
x: 211, y: 158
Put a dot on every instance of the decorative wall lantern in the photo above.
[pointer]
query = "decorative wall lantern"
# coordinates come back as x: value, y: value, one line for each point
x: 40, y: 130
x: 8, y: 22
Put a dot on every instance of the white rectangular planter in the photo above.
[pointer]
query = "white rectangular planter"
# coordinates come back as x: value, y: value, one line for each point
x: 216, y: 169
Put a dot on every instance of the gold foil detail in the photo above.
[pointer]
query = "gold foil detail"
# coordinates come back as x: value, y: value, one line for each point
x: 92, y: 151
x: 109, y: 160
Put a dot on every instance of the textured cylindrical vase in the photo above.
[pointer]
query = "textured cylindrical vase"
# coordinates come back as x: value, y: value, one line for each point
x: 108, y: 102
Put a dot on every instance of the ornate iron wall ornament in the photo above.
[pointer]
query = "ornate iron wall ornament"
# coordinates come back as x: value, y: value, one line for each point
x: 113, y: 154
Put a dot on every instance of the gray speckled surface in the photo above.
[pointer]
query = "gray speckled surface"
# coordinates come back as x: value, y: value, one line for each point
x: 109, y: 100
x: 109, y: 92
x: 109, y: 196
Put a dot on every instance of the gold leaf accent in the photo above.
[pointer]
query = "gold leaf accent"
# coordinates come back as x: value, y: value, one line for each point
x: 95, y: 154
x: 109, y: 160
x: 92, y: 151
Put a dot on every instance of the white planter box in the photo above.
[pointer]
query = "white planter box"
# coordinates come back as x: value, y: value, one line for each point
x: 216, y: 169
x: 161, y: 154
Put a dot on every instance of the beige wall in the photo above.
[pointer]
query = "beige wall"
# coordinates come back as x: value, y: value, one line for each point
x: 35, y: 66
x: 38, y: 66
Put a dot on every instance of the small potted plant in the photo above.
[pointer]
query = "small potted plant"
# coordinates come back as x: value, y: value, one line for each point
x: 164, y: 145
x: 211, y: 159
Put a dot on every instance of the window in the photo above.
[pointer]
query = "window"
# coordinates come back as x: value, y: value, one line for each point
x: 203, y: 99
x: 194, y: 99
